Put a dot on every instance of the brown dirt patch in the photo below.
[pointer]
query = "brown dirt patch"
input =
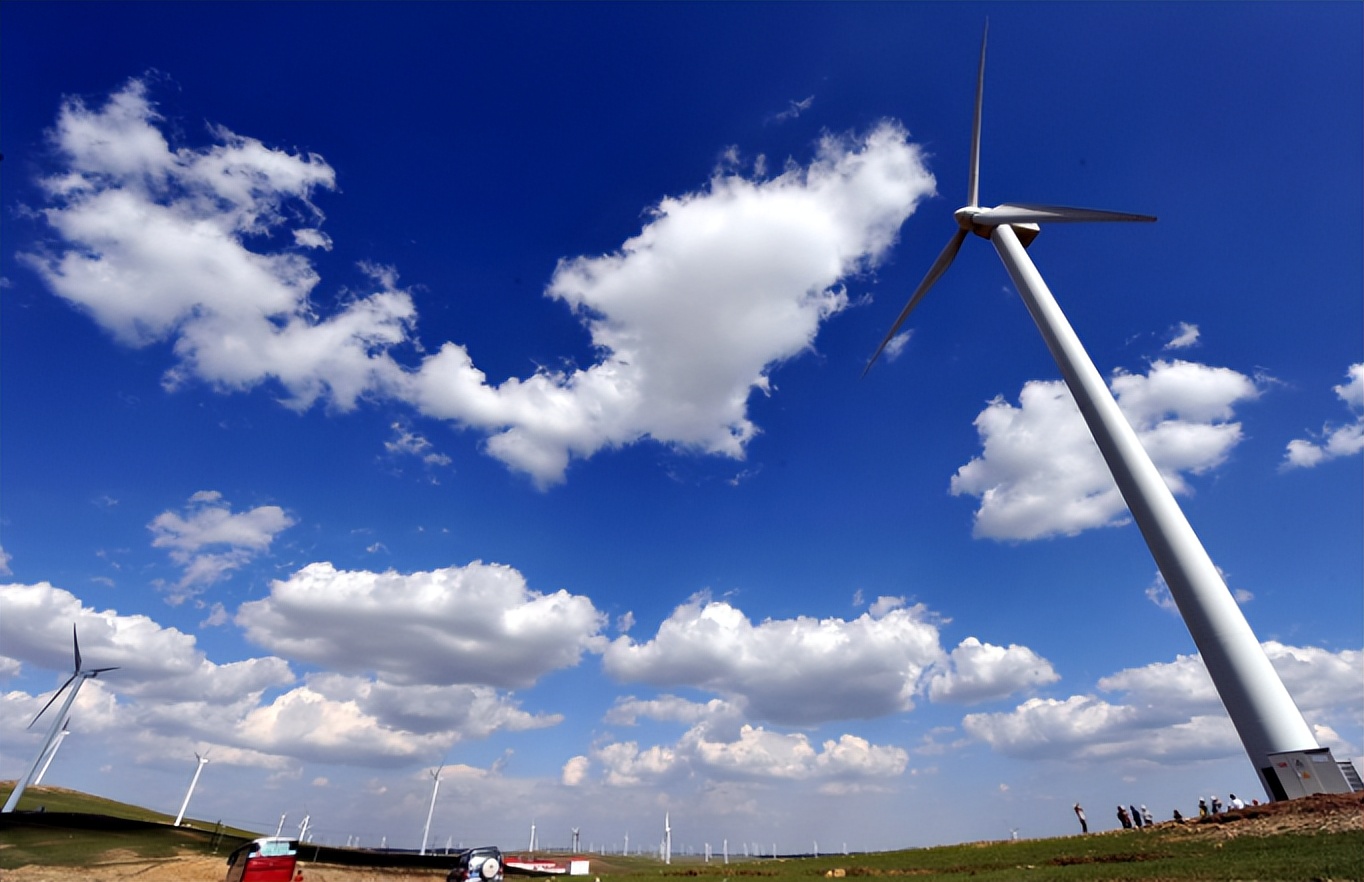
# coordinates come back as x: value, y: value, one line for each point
x: 200, y: 869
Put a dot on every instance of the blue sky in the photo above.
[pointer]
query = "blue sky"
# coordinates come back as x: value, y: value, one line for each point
x: 390, y: 386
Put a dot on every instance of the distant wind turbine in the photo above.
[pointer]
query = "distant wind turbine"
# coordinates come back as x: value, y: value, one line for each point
x: 193, y: 781
x: 1256, y: 700
x: 78, y: 678
x: 56, y: 745
x: 435, y: 788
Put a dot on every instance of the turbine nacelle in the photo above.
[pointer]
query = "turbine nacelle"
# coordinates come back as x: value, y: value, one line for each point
x: 1024, y: 219
x: 974, y: 219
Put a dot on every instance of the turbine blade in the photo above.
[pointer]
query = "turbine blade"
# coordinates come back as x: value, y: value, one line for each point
x: 75, y: 641
x: 52, y: 699
x: 935, y: 272
x: 1024, y: 213
x: 973, y: 179
x: 96, y: 671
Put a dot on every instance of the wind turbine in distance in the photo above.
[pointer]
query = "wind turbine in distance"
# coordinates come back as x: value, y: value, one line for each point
x: 190, y: 792
x: 435, y: 788
x: 78, y: 678
x: 1266, y: 719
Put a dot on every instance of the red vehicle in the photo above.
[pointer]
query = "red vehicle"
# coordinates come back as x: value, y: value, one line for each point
x: 268, y: 859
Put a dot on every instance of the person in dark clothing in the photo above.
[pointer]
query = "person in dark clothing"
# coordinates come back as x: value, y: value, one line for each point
x: 1080, y: 813
x: 1124, y: 818
x: 1136, y: 816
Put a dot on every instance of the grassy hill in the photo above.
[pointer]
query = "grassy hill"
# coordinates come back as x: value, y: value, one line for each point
x: 59, y: 826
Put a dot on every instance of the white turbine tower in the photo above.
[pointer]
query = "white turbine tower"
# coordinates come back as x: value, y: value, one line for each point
x: 435, y: 788
x: 1259, y: 706
x: 667, y: 839
x: 77, y: 678
x: 56, y: 745
x: 193, y: 781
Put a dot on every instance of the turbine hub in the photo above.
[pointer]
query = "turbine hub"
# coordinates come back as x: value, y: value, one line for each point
x: 966, y: 219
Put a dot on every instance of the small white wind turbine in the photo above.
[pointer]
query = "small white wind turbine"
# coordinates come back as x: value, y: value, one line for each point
x: 192, y: 782
x: 1259, y: 706
x: 435, y: 788
x: 56, y: 745
x: 77, y: 678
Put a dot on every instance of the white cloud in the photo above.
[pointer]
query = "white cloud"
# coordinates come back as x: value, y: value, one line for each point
x: 1345, y: 440
x: 1182, y: 336
x: 408, y: 443
x: 1171, y: 711
x: 154, y: 662
x: 692, y: 313
x: 795, y: 671
x: 754, y: 753
x: 977, y: 672
x: 473, y: 711
x: 690, y: 316
x: 208, y: 523
x: 575, y: 771
x: 670, y: 708
x: 473, y: 625
x: 896, y: 346
x: 1041, y: 474
x: 794, y: 110
x: 167, y: 695
x: 805, y: 671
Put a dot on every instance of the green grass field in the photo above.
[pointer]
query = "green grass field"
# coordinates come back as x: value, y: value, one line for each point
x: 1154, y: 855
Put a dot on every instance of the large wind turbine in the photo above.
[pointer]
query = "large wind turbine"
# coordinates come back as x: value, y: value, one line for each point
x: 190, y: 792
x: 77, y: 678
x: 1265, y: 717
x: 51, y: 754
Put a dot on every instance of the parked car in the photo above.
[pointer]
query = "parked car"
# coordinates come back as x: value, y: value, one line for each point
x: 268, y: 859
x: 481, y: 864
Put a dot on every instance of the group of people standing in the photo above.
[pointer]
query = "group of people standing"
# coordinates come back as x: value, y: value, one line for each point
x: 1205, y: 809
x: 1137, y: 817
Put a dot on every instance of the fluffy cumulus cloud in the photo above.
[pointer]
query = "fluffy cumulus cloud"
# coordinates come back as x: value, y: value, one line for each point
x: 1334, y: 441
x: 154, y: 662
x: 752, y: 754
x: 210, y: 541
x: 1040, y: 473
x: 474, y: 625
x: 166, y: 696
x: 976, y: 672
x: 806, y: 671
x: 154, y: 242
x: 164, y: 243
x: 797, y: 671
x: 1170, y: 711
